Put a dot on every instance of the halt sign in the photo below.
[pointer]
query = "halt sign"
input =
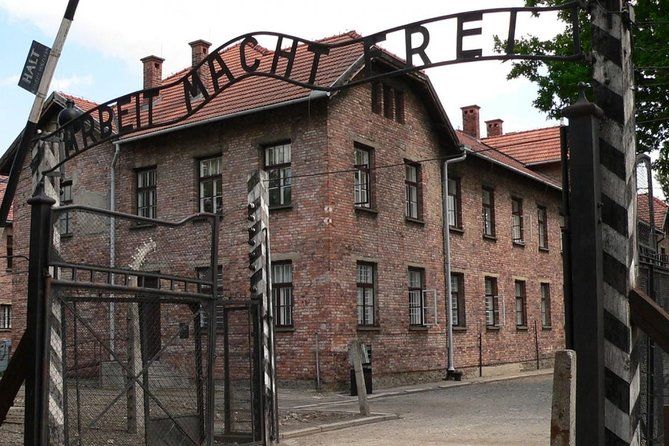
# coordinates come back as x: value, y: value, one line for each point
x: 33, y: 69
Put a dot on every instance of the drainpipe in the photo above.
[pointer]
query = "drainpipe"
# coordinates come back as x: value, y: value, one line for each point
x: 112, y: 242
x: 450, y: 373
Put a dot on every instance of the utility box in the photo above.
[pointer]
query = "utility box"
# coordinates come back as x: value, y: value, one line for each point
x: 5, y: 353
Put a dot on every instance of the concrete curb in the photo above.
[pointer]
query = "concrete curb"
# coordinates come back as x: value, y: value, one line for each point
x: 374, y: 418
x: 434, y: 386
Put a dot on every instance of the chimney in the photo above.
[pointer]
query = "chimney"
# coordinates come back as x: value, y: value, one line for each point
x: 470, y: 120
x: 494, y: 127
x: 153, y: 71
x: 200, y: 50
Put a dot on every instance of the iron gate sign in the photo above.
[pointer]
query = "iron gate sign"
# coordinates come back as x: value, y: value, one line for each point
x: 134, y: 112
x: 33, y: 69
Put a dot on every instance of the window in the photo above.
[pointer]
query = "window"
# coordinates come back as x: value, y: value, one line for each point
x: 517, y: 220
x: 454, y: 203
x: 458, y: 299
x: 282, y: 293
x: 521, y: 311
x: 146, y: 193
x: 209, y: 175
x: 416, y: 296
x: 488, y: 200
x: 64, y: 219
x: 5, y: 317
x: 10, y: 251
x: 388, y: 101
x: 362, y: 187
x: 205, y: 273
x: 542, y: 223
x: 366, y: 278
x: 491, y: 302
x: 412, y: 191
x: 278, y: 165
x: 545, y: 305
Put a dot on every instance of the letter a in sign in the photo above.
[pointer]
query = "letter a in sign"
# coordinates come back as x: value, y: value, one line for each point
x: 31, y: 75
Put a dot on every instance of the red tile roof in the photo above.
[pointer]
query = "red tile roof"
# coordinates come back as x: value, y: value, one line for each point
x: 660, y: 209
x: 530, y: 146
x: 3, y: 186
x: 482, y: 149
x: 81, y: 103
x: 257, y: 91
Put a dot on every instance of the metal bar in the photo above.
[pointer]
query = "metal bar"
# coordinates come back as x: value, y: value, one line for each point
x: 187, y: 297
x: 587, y: 269
x: 105, y: 269
x: 650, y: 317
x: 133, y: 217
x: 198, y: 370
x: 63, y: 339
x: 211, y: 397
x: 13, y: 377
x: 227, y: 411
x: 566, y: 242
x: 77, y: 384
x: 36, y: 334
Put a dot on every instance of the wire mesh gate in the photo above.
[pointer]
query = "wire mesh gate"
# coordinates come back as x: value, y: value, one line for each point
x: 136, y: 326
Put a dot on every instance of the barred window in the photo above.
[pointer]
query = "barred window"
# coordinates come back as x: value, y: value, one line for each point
x: 458, y: 299
x: 545, y: 305
x: 278, y: 160
x: 362, y: 187
x: 488, y: 201
x: 365, y: 279
x: 491, y: 302
x: 416, y: 296
x: 282, y: 293
x: 5, y: 317
x: 542, y: 223
x: 204, y: 273
x: 517, y: 220
x: 146, y: 193
x: 64, y: 219
x: 454, y: 203
x: 210, y: 180
x: 412, y: 191
x: 521, y: 304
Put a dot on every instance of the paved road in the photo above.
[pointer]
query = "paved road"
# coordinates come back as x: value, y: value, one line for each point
x: 515, y: 412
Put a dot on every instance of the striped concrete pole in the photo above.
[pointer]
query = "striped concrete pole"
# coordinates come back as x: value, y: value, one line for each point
x: 261, y: 289
x: 614, y: 94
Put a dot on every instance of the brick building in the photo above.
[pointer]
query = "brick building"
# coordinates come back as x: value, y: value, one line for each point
x: 8, y: 264
x: 356, y: 216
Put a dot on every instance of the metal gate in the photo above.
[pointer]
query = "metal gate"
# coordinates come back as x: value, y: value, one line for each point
x: 143, y: 349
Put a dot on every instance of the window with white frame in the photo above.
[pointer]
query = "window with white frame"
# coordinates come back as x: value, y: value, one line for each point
x: 454, y: 203
x: 412, y: 191
x: 542, y: 223
x: 521, y: 304
x: 210, y: 181
x: 491, y: 302
x: 488, y: 204
x: 278, y: 159
x: 458, y: 299
x: 362, y: 187
x: 416, y: 296
x: 146, y: 193
x: 517, y: 220
x: 545, y: 305
x: 282, y: 291
x: 365, y: 284
x: 5, y: 317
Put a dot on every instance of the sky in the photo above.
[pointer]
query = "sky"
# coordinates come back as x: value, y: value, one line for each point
x: 100, y: 60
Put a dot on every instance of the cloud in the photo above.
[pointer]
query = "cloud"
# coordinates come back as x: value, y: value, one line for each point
x: 67, y: 83
x: 9, y: 80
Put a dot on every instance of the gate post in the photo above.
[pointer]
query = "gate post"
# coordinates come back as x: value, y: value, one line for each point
x: 261, y: 289
x: 37, y: 323
x: 613, y: 80
x: 587, y: 269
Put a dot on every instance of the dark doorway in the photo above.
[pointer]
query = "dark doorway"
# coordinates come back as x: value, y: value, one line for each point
x: 149, y: 319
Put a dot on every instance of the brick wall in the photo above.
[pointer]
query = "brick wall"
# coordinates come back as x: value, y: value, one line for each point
x: 324, y: 235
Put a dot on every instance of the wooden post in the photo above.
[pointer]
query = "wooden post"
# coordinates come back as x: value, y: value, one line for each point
x: 563, y: 411
x: 355, y: 353
x: 613, y: 85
